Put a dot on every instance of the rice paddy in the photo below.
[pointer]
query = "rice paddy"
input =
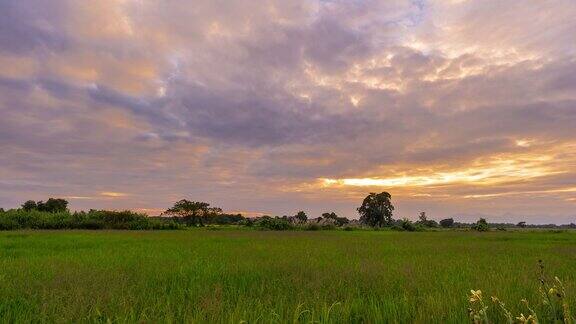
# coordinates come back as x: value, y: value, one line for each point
x: 241, y: 275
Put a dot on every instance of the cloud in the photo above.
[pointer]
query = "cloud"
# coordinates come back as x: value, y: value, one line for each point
x: 248, y: 104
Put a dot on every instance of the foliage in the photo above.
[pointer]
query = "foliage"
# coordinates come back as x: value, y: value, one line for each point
x: 481, y: 225
x: 406, y: 225
x: 94, y: 219
x: 29, y: 205
x: 447, y: 222
x: 338, y: 221
x: 52, y: 205
x: 376, y: 210
x: 313, y: 227
x: 553, y: 304
x: 193, y: 213
x: 521, y: 224
x: 425, y: 222
x: 274, y: 223
x: 225, y: 219
x: 301, y: 217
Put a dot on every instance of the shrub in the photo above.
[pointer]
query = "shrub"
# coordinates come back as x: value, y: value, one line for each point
x: 407, y: 225
x: 481, y: 225
x: 312, y: 227
x: 275, y: 224
x: 447, y: 222
x: 328, y: 226
x: 94, y: 219
x: 224, y: 219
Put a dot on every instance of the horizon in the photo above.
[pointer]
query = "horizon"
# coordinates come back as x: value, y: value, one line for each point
x: 458, y: 108
x: 463, y: 218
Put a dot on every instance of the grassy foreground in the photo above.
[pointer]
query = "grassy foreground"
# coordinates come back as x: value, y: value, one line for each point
x: 257, y: 276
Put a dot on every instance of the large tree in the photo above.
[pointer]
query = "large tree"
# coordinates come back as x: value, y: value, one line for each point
x: 301, y: 217
x: 447, y: 222
x: 192, y: 212
x: 29, y: 205
x: 376, y: 209
x: 52, y: 205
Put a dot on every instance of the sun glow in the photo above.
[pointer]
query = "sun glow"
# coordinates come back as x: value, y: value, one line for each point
x: 499, y: 171
x: 112, y: 194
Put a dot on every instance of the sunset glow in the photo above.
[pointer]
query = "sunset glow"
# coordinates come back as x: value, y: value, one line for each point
x: 454, y: 107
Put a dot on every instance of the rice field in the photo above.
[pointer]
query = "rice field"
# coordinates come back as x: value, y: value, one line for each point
x: 241, y: 275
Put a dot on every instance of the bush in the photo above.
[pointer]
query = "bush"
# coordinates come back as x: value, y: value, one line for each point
x: 447, y: 222
x: 94, y: 219
x: 481, y: 225
x: 275, y: 224
x: 407, y: 225
x: 312, y: 227
x: 224, y: 219
x: 328, y: 227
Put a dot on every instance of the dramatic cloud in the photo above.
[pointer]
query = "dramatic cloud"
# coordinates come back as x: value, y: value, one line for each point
x: 459, y: 108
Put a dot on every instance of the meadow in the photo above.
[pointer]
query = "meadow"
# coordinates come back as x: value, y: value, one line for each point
x: 236, y: 275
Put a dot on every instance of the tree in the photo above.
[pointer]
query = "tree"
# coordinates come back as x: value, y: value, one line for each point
x: 376, y: 210
x: 339, y: 221
x: 192, y: 212
x: 521, y: 224
x: 29, y: 205
x: 53, y: 205
x: 407, y: 225
x: 422, y: 218
x: 331, y: 215
x: 424, y: 221
x: 447, y: 222
x: 301, y: 217
x: 1, y: 210
x: 481, y: 225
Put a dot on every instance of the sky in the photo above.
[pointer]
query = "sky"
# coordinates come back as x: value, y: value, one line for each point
x: 458, y: 108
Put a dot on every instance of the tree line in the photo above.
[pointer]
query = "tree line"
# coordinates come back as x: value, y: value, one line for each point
x: 376, y: 211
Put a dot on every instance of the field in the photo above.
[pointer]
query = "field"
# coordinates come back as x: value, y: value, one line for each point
x: 232, y: 275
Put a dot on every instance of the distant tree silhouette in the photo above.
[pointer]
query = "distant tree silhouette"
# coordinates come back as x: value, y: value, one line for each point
x: 424, y: 221
x: 376, y: 210
x: 340, y: 221
x: 29, y: 205
x: 301, y: 217
x: 52, y: 205
x: 521, y: 224
x: 192, y: 212
x: 447, y: 222
x: 422, y: 217
x: 481, y: 225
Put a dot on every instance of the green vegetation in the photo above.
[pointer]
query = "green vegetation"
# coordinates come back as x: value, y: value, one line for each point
x: 231, y: 275
x: 481, y: 225
x: 554, y: 306
x: 15, y: 219
x: 376, y: 212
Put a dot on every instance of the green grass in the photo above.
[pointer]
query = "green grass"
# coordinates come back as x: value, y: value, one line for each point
x: 238, y: 275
